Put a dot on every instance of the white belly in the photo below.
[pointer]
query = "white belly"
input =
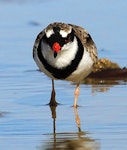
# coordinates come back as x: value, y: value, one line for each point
x: 83, y: 70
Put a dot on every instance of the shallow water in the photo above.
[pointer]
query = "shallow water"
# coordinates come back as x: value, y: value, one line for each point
x: 26, y: 122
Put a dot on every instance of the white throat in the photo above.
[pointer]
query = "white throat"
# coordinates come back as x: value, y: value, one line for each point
x: 64, y: 57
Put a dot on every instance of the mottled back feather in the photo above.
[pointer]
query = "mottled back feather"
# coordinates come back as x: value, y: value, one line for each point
x: 86, y: 40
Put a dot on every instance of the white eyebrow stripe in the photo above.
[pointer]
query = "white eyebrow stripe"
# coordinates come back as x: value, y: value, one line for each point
x: 49, y: 33
x: 63, y: 33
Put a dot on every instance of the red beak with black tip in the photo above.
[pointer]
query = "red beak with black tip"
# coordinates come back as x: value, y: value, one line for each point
x: 56, y: 48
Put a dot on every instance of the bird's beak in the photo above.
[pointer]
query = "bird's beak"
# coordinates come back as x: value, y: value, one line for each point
x: 56, y: 48
x: 55, y: 54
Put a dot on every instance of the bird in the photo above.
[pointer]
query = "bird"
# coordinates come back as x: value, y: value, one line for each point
x: 65, y: 52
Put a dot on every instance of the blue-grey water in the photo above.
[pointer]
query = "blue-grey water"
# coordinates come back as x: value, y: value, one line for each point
x: 26, y: 122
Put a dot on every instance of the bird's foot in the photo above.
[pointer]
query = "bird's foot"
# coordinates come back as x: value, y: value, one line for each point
x: 53, y: 102
x: 75, y: 106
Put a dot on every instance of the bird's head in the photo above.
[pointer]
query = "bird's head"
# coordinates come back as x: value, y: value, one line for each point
x: 58, y: 36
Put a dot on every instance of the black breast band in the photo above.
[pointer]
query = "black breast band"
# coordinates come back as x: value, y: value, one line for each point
x: 62, y: 73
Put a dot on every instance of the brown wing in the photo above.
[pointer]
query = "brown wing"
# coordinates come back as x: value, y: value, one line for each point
x: 86, y: 40
x: 36, y: 43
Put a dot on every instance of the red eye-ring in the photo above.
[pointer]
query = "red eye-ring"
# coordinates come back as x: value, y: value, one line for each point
x: 67, y: 39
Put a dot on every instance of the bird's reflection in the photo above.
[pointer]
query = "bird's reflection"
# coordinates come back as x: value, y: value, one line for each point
x: 69, y: 140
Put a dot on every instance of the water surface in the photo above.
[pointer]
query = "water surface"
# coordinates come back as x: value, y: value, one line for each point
x: 26, y: 122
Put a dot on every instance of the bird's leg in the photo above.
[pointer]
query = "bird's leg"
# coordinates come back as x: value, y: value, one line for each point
x: 76, y: 93
x: 53, y: 96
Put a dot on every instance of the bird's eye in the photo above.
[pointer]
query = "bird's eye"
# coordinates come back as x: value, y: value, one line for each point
x: 68, y: 39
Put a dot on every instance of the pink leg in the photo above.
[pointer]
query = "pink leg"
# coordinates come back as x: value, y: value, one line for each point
x: 76, y: 93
